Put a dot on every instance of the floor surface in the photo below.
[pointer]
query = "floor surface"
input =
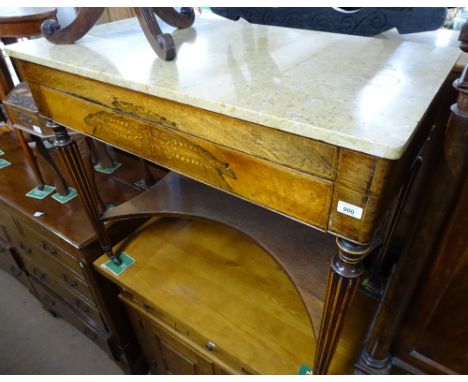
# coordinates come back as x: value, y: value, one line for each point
x: 32, y: 341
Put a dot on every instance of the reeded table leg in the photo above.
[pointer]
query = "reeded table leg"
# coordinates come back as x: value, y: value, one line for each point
x: 343, y: 280
x: 70, y: 154
x: 59, y: 182
x: 31, y: 159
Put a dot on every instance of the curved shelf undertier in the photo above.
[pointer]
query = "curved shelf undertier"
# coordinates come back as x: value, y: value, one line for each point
x: 304, y: 253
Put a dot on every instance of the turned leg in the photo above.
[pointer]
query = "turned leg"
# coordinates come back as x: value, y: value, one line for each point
x: 70, y: 155
x: 31, y: 159
x: 86, y: 156
x: 60, y: 183
x: 343, y: 280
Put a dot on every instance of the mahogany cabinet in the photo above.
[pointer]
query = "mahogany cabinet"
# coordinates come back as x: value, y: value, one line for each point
x: 433, y: 337
x: 421, y: 325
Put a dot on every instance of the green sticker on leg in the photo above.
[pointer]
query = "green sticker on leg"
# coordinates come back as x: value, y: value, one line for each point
x: 64, y: 199
x: 127, y: 261
x: 305, y: 370
x: 107, y: 170
x: 48, y: 144
x: 40, y: 194
x: 4, y: 163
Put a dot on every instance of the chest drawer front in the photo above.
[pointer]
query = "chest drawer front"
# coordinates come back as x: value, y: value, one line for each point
x: 8, y: 264
x: 50, y: 272
x: 28, y: 240
x: 84, y: 306
x: 55, y: 304
x: 26, y: 118
x: 59, y: 255
x: 4, y: 236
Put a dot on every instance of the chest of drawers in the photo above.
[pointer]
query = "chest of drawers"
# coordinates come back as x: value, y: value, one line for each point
x: 51, y: 255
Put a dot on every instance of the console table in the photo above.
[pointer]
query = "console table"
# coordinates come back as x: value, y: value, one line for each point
x: 321, y: 128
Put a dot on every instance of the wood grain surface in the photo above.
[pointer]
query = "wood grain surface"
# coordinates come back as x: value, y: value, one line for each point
x: 222, y: 287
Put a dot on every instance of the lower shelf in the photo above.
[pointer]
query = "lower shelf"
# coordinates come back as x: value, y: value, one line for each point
x: 212, y: 284
x: 303, y: 252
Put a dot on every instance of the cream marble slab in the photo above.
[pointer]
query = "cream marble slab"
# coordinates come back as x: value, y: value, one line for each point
x: 365, y: 94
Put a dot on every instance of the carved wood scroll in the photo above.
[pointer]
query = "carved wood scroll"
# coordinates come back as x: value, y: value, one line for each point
x: 162, y: 43
x: 366, y: 21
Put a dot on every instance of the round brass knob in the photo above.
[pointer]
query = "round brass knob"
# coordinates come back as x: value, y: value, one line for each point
x: 210, y: 345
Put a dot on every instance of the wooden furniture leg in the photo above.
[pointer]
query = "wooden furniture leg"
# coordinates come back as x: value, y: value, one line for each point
x: 148, y: 178
x: 31, y: 159
x: 59, y: 181
x: 70, y: 155
x: 100, y: 155
x: 343, y: 280
x: 86, y: 156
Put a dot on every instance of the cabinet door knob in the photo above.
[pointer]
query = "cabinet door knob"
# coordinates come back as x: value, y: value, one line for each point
x: 40, y: 275
x: 210, y: 345
x: 89, y: 333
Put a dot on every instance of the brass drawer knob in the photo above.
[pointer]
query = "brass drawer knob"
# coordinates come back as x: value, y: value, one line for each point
x: 210, y: 345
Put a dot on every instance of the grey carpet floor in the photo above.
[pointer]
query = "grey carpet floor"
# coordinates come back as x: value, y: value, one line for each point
x: 34, y: 342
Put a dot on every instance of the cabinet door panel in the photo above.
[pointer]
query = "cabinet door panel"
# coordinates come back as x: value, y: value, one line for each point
x: 166, y: 353
x: 434, y: 336
x: 176, y: 362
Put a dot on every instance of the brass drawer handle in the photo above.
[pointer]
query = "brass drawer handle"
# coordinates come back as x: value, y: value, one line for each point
x: 15, y: 271
x: 24, y: 248
x: 40, y: 275
x: 72, y: 283
x: 82, y: 306
x: 51, y: 251
x: 49, y: 300
x: 25, y: 119
x: 89, y: 333
x: 210, y: 345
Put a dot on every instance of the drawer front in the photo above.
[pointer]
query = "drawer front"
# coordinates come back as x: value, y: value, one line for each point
x: 26, y: 118
x: 50, y: 272
x: 175, y: 339
x: 8, y: 229
x: 8, y: 264
x: 59, y: 255
x: 289, y: 191
x: 303, y: 154
x: 167, y: 353
x: 5, y: 238
x: 28, y: 240
x: 56, y: 305
x: 82, y: 305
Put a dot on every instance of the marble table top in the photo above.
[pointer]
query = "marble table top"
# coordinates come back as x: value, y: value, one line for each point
x: 366, y: 94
